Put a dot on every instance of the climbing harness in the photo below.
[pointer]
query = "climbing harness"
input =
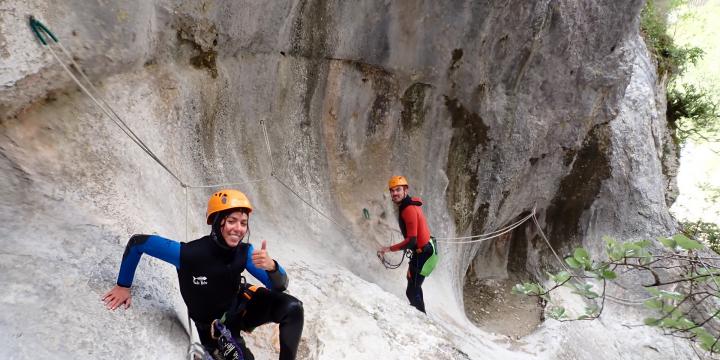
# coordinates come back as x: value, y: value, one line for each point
x: 230, y: 347
x: 238, y: 306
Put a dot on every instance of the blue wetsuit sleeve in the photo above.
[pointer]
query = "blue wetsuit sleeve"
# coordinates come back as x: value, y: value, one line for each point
x: 275, y: 280
x: 153, y: 245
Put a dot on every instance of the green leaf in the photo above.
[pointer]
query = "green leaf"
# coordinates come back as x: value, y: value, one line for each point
x: 592, y: 310
x: 653, y: 304
x: 669, y: 243
x: 609, y: 274
x: 609, y: 240
x: 687, y: 244
x: 651, y: 321
x: 572, y: 262
x: 528, y: 288
x: 616, y: 253
x: 582, y: 256
x: 560, y: 278
x: 706, y: 341
x: 669, y: 323
x: 685, y: 324
x: 699, y: 331
x: 557, y: 312
x: 646, y: 258
x: 584, y: 290
x: 653, y: 291
x: 632, y: 250
x: 673, y: 295
x: 644, y: 244
x: 518, y: 289
x: 676, y: 314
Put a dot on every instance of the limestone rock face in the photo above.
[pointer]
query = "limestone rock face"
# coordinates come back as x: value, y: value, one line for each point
x: 492, y: 110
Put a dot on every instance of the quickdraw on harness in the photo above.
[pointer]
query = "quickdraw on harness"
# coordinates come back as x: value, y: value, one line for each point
x: 228, y: 346
x: 390, y: 266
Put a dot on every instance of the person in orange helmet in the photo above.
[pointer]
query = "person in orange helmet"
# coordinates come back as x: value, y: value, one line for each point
x: 416, y: 240
x: 210, y: 269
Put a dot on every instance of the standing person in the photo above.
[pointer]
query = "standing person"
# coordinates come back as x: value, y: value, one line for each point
x: 211, y: 282
x: 416, y: 235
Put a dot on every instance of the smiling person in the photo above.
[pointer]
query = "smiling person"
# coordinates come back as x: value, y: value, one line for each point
x: 211, y: 281
x: 416, y: 240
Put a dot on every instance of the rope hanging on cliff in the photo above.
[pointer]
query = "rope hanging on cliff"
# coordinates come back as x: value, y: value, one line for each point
x: 487, y: 236
x: 628, y: 302
x: 38, y: 28
x: 92, y: 92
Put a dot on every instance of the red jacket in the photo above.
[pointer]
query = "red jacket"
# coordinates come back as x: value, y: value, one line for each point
x: 412, y: 224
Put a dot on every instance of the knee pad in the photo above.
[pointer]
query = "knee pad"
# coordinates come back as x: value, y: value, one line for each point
x: 294, y: 307
x: 291, y: 308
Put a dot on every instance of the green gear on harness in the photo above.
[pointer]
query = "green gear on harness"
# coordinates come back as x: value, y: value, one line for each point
x: 431, y: 262
x: 366, y: 214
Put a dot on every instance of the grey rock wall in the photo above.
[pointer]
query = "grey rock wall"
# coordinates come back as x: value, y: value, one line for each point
x: 490, y: 109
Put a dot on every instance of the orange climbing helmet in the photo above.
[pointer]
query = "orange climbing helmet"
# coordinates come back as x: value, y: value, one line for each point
x: 397, y: 181
x: 227, y: 199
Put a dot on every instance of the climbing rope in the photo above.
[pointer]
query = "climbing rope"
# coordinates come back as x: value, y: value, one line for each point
x: 311, y: 205
x: 38, y: 28
x: 487, y: 236
x: 93, y: 93
x: 267, y: 145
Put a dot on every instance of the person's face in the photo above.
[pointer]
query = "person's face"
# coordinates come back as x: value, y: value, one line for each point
x: 398, y: 193
x: 234, y: 228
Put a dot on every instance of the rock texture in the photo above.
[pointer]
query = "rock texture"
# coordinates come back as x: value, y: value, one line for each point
x: 490, y: 109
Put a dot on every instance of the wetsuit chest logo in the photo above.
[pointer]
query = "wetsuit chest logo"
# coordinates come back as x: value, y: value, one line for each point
x: 200, y: 280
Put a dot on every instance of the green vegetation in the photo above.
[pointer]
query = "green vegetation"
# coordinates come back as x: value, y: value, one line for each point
x: 682, y: 281
x: 672, y: 59
x: 707, y: 232
x: 692, y: 111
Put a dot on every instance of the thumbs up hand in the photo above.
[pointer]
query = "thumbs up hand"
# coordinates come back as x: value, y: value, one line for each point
x: 262, y: 259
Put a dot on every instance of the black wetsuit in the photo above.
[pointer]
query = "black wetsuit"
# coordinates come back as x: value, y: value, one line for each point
x: 209, y: 274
